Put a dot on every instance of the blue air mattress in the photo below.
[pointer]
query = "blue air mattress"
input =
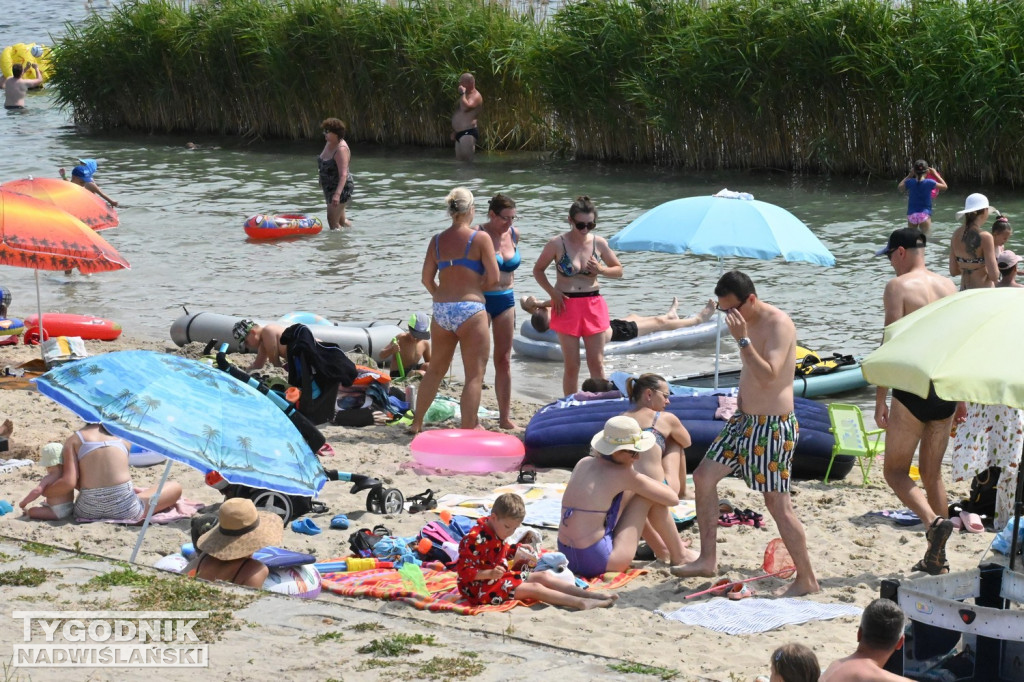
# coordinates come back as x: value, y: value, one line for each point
x: 559, y: 436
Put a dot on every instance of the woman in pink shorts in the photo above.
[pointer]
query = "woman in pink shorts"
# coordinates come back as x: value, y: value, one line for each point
x: 578, y: 309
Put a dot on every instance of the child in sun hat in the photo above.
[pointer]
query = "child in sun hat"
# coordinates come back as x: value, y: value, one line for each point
x: 411, y: 348
x: 225, y: 552
x: 81, y: 175
x: 57, y: 506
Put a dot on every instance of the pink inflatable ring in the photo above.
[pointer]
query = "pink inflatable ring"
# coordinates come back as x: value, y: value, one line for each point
x: 470, y: 451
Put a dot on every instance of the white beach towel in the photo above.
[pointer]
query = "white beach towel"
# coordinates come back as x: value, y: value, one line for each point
x: 9, y: 465
x: 749, y: 616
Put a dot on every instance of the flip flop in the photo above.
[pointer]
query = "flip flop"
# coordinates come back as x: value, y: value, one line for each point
x: 749, y: 517
x: 306, y: 527
x: 721, y: 586
x: 728, y: 520
x: 740, y: 591
x: 971, y: 522
x: 340, y: 522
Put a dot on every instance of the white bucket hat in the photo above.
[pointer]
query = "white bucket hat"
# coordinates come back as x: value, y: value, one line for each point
x: 976, y: 202
x: 622, y: 433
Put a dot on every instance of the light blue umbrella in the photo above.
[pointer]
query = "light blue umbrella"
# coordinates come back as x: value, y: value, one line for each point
x: 727, y: 224
x: 723, y: 226
x: 191, y: 413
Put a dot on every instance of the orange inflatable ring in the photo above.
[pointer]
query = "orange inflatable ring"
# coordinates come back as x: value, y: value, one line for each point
x: 278, y: 226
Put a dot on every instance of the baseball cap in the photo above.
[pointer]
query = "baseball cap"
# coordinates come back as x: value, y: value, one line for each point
x: 1008, y: 260
x: 907, y: 237
x: 419, y: 325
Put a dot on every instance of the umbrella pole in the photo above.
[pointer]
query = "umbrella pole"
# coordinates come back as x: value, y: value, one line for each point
x: 154, y: 498
x: 718, y: 328
x: 1018, y: 509
x: 39, y: 312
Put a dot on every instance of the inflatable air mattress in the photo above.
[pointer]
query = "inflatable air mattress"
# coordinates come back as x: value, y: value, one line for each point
x: 84, y: 326
x: 544, y: 345
x: 847, y: 378
x: 559, y: 436
x: 368, y: 337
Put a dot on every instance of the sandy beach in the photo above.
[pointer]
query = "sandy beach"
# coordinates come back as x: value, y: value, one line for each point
x: 852, y: 553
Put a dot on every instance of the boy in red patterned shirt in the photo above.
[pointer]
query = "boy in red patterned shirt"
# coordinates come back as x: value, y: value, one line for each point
x: 492, y: 572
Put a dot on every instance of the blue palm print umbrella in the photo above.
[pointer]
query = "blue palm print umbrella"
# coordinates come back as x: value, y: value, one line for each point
x: 190, y: 412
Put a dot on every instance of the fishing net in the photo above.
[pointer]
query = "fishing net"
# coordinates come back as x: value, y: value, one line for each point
x: 777, y: 560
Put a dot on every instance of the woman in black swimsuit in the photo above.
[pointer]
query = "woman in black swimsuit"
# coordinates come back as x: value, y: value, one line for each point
x: 335, y: 180
x: 972, y: 252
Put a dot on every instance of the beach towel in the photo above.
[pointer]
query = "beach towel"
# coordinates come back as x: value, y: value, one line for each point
x: 9, y: 465
x: 901, y: 517
x: 442, y: 586
x: 182, y: 509
x: 543, y: 504
x: 749, y: 616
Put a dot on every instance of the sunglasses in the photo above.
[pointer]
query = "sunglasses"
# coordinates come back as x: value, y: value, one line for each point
x: 507, y: 218
x: 726, y: 310
x: 585, y: 226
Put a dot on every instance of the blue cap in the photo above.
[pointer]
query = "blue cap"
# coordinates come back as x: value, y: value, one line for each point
x: 85, y: 169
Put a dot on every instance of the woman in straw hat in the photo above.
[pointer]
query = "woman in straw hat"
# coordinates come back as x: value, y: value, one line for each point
x: 592, y: 533
x: 225, y: 552
x: 972, y: 252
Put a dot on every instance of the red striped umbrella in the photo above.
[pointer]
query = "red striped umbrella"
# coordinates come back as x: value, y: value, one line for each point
x: 67, y: 196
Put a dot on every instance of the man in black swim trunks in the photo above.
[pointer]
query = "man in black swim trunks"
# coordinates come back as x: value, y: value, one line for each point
x: 911, y: 419
x: 628, y: 328
x: 464, y: 131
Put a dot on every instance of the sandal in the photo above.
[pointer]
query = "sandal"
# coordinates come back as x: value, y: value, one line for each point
x: 422, y: 502
x: 749, y: 517
x: 740, y: 591
x: 721, y: 586
x: 934, y: 561
x: 728, y: 520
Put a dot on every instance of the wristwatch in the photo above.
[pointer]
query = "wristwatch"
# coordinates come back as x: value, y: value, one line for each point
x: 744, y: 342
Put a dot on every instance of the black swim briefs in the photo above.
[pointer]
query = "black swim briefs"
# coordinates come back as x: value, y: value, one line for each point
x: 468, y: 131
x: 930, y: 409
x: 623, y: 330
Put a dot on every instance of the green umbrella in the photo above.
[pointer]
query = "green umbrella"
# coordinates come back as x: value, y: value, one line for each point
x: 952, y: 344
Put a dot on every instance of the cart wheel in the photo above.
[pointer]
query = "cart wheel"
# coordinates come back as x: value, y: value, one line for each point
x: 375, y: 500
x: 275, y: 502
x: 394, y: 501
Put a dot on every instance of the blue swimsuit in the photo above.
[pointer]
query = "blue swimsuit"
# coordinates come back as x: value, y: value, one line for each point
x: 592, y: 561
x: 498, y: 302
x: 450, y: 315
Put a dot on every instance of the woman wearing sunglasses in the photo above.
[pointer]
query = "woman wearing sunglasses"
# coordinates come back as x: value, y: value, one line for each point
x: 578, y: 309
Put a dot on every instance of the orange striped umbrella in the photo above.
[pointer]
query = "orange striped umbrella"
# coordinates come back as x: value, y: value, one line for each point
x: 75, y: 199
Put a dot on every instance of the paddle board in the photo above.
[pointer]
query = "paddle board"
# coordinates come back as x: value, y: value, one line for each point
x: 86, y: 326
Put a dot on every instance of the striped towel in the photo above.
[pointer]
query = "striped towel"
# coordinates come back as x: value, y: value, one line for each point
x: 386, y: 583
x: 749, y: 616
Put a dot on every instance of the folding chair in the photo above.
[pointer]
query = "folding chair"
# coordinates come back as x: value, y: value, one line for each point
x: 851, y: 438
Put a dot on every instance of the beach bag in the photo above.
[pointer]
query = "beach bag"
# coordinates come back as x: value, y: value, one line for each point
x: 61, y: 349
x: 982, y: 499
x: 364, y: 540
x: 444, y: 545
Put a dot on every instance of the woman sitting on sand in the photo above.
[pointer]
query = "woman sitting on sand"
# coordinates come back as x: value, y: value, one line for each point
x: 462, y: 260
x: 593, y: 534
x: 648, y: 397
x: 96, y: 463
x: 225, y: 552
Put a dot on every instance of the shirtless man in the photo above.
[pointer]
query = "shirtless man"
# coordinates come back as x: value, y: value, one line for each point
x: 413, y: 347
x: 464, y: 131
x: 760, y: 438
x: 15, y: 87
x: 628, y: 328
x: 879, y: 635
x: 265, y: 339
x: 911, y: 419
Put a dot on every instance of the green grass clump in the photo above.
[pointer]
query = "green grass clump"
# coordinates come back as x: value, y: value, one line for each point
x: 125, y: 577
x: 185, y: 594
x: 446, y: 668
x: 368, y: 627
x: 333, y: 636
x: 38, y: 548
x: 24, y: 577
x: 398, y: 644
x: 644, y: 669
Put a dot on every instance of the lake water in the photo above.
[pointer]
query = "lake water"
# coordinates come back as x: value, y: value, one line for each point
x: 182, y: 213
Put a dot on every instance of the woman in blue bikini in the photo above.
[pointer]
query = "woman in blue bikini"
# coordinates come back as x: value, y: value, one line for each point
x: 464, y: 267
x: 500, y: 301
x: 593, y: 535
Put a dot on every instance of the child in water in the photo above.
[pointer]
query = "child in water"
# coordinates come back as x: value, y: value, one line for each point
x: 56, y: 507
x: 493, y: 572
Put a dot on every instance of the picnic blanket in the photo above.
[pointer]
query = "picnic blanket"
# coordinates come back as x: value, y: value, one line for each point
x: 182, y: 509
x: 9, y: 465
x: 750, y: 616
x: 386, y: 583
x: 543, y: 504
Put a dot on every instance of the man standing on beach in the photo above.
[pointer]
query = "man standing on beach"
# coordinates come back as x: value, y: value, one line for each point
x: 911, y: 419
x: 879, y: 635
x: 759, y: 440
x: 464, y: 131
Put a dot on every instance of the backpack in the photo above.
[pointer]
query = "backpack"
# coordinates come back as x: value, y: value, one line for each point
x: 364, y: 540
x: 443, y: 542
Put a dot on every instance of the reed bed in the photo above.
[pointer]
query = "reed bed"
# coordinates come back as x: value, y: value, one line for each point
x: 845, y: 86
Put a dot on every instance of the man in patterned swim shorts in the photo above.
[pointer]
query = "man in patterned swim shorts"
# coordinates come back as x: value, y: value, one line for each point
x: 758, y: 442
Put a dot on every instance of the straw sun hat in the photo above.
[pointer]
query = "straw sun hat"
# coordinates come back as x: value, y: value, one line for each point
x: 240, y: 531
x: 622, y: 433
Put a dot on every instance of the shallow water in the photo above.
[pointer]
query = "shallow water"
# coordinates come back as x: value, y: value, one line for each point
x: 182, y: 212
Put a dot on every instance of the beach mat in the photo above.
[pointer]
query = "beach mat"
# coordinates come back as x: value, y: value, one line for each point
x: 9, y: 465
x: 386, y: 583
x: 750, y: 616
x: 182, y: 509
x: 543, y: 504
x: 901, y: 517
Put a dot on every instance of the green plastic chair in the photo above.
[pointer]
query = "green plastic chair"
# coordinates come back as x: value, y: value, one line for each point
x: 851, y: 438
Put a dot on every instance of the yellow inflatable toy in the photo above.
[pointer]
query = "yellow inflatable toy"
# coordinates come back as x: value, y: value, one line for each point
x: 23, y: 53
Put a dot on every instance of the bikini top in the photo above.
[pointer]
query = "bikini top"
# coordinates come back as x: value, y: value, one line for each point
x: 476, y: 265
x: 512, y: 263
x: 567, y: 267
x: 970, y: 261
x: 659, y: 438
x: 610, y: 514
x: 90, y: 445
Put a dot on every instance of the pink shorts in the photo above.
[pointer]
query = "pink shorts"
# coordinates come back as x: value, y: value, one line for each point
x: 918, y: 218
x: 583, y: 316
